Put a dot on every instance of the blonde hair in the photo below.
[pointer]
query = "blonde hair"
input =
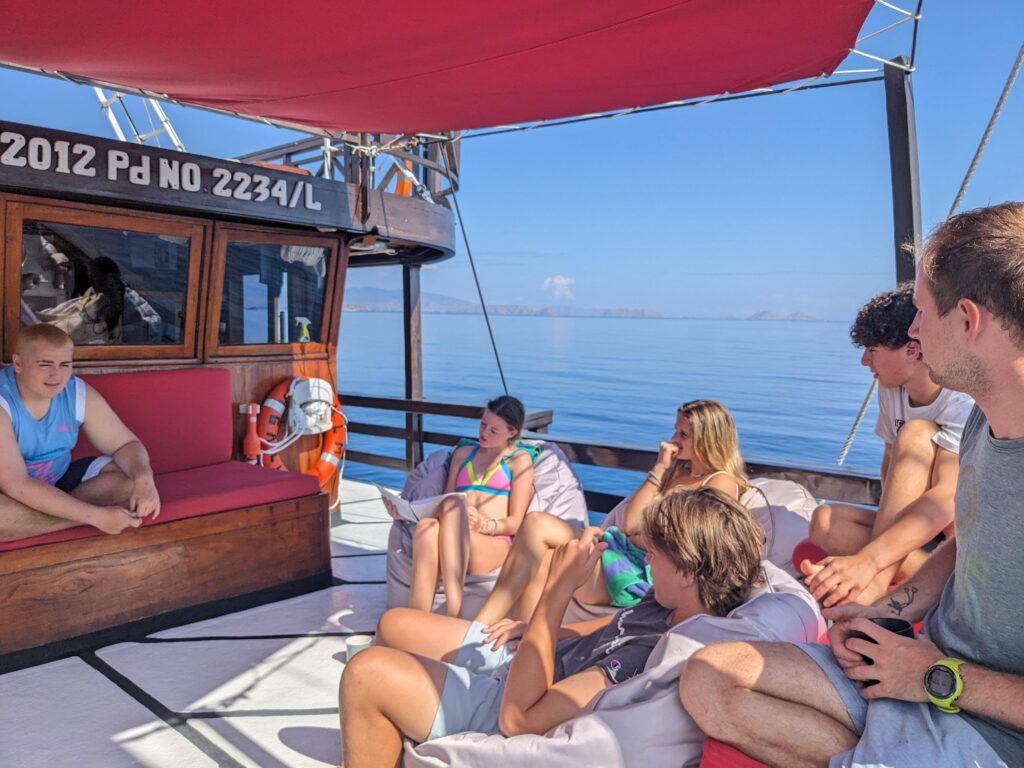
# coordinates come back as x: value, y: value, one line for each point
x: 715, y: 443
x: 712, y: 537
x: 41, y: 333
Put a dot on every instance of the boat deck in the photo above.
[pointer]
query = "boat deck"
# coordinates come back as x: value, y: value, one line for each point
x: 252, y: 688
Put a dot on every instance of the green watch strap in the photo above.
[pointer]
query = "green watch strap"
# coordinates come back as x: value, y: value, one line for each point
x: 947, y: 704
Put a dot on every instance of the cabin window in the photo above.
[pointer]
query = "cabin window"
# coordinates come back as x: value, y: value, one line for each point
x: 104, y: 286
x: 273, y: 290
x: 122, y: 286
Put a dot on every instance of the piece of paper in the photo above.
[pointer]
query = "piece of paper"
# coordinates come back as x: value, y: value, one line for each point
x: 416, y: 510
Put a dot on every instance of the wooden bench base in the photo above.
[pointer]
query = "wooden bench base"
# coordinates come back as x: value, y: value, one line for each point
x: 63, y: 591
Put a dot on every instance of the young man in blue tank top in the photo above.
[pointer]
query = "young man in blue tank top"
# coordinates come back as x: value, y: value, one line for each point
x: 954, y: 696
x: 42, y: 407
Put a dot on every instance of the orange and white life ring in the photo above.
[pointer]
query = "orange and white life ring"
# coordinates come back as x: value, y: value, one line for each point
x: 333, y: 447
x: 268, y: 424
x: 267, y: 428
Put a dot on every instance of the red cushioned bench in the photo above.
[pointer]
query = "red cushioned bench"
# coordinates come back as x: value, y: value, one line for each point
x: 225, y: 529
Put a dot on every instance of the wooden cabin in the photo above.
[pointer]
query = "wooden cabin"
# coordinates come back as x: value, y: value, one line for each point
x: 192, y: 286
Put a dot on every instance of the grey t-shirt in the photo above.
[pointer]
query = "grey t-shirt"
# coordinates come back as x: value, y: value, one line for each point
x: 980, y: 615
x: 620, y: 649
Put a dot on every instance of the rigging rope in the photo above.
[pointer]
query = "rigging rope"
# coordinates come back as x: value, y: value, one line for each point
x: 856, y: 422
x: 1014, y: 71
x: 996, y: 113
x: 472, y: 264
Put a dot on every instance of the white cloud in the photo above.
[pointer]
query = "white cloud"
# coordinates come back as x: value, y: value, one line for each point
x: 559, y: 286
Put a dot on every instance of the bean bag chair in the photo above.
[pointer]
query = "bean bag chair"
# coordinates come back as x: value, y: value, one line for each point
x: 556, y: 490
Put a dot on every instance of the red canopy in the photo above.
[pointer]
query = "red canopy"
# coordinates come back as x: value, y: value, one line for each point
x: 414, y: 66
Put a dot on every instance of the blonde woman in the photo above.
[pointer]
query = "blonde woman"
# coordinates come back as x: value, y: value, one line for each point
x: 704, y: 451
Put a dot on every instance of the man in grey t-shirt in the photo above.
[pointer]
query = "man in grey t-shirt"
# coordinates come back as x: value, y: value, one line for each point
x: 980, y: 616
x: 956, y: 697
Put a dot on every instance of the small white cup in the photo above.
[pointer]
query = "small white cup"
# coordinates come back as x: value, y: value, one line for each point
x: 355, y: 644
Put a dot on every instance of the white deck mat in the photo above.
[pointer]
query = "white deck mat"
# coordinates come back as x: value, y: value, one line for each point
x: 361, y: 528
x: 363, y: 511
x: 258, y: 677
x: 67, y: 714
x: 364, y: 523
x: 349, y: 608
x: 360, y: 570
x: 307, y: 741
x: 360, y: 538
x: 353, y: 491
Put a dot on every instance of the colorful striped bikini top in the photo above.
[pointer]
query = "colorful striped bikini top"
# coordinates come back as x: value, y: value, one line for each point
x: 493, y: 482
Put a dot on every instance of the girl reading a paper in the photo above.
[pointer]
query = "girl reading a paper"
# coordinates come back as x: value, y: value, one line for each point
x: 472, y: 533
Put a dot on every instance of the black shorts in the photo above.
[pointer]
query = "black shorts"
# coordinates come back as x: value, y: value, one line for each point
x: 78, y: 471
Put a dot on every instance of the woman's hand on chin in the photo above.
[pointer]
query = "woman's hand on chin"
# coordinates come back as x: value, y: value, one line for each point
x: 667, y: 452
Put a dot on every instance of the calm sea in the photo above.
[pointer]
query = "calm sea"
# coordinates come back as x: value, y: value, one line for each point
x: 794, y: 388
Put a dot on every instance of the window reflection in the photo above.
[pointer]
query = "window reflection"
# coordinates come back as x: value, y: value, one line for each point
x: 104, y: 286
x: 273, y: 293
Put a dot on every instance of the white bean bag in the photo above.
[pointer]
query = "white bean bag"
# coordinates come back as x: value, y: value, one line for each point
x: 556, y: 490
x: 784, y: 509
x: 640, y: 722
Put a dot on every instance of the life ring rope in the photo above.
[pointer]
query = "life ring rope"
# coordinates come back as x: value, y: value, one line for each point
x: 266, y: 429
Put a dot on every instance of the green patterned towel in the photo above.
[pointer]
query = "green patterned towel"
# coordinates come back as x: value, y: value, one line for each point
x: 626, y: 571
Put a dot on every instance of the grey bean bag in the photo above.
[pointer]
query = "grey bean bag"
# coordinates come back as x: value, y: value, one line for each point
x: 556, y: 490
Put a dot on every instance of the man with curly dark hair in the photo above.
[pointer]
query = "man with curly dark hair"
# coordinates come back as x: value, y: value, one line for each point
x: 921, y: 423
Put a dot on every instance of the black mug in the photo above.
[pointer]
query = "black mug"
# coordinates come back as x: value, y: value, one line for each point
x: 900, y: 627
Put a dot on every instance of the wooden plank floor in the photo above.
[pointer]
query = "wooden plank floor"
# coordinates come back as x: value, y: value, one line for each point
x: 254, y: 688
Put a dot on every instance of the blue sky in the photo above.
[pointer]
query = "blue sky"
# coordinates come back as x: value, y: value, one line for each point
x: 779, y: 203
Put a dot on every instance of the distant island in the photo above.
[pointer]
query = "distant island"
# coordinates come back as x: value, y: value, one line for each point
x: 385, y: 300
x: 766, y: 315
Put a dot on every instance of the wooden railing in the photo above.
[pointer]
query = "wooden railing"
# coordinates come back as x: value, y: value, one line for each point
x: 374, y: 160
x: 822, y: 481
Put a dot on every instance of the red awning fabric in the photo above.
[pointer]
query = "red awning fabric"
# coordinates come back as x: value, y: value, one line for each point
x: 405, y: 66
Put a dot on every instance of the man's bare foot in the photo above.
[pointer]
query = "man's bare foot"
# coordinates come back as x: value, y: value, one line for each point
x: 114, y: 520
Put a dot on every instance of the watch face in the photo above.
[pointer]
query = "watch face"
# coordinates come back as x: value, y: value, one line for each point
x: 940, y: 682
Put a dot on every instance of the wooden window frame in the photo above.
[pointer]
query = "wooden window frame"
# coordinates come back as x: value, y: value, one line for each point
x: 17, y: 210
x: 225, y: 233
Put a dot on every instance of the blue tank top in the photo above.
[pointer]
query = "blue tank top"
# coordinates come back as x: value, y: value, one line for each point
x: 45, y: 443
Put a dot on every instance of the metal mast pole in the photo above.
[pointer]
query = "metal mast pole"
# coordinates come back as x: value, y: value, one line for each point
x: 906, y: 186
